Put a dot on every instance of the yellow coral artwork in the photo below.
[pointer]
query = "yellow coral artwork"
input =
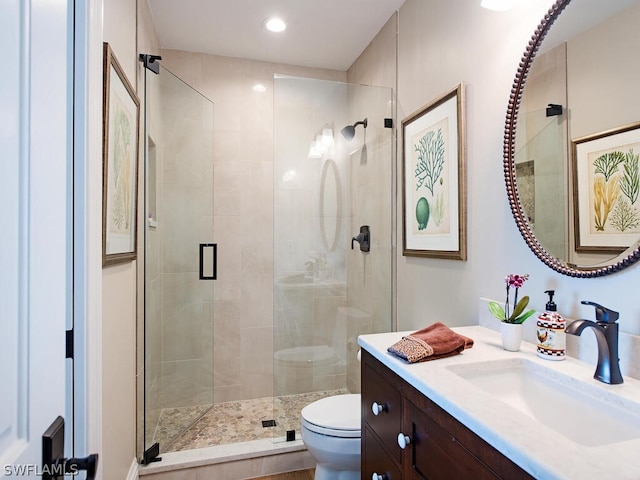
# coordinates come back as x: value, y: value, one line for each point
x: 607, y: 188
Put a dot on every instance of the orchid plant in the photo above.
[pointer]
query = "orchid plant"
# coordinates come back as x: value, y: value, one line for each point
x: 518, y: 315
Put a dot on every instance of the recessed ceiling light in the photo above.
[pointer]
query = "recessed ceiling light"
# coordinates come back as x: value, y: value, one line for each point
x: 498, y: 5
x: 258, y: 87
x: 274, y: 24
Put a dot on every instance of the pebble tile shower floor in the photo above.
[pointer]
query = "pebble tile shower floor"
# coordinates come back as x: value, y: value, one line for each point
x: 232, y: 422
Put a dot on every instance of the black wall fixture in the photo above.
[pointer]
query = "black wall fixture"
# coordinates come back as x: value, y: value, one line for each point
x: 554, y: 110
x: 363, y: 238
x: 151, y: 62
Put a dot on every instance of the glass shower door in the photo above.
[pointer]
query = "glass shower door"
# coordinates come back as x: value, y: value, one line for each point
x: 326, y: 290
x: 179, y: 259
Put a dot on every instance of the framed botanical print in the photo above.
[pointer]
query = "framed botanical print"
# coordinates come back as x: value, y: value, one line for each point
x: 606, y: 189
x: 434, y: 195
x: 120, y: 130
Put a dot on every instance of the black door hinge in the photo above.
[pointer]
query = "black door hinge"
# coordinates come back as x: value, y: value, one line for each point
x: 69, y: 343
x: 150, y: 455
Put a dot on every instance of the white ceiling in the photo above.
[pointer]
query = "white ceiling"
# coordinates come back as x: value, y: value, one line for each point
x: 320, y: 33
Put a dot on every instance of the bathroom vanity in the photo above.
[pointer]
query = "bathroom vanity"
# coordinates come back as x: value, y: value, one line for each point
x: 406, y: 435
x: 488, y: 413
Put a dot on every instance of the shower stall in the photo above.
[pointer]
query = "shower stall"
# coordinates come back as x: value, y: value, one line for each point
x: 226, y: 364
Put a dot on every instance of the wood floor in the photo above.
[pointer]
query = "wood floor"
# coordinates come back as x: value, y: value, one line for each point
x: 299, y: 475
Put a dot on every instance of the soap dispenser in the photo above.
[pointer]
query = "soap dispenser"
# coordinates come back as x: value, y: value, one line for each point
x: 551, y: 331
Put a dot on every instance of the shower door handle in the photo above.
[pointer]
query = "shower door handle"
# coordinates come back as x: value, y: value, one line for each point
x: 211, y: 249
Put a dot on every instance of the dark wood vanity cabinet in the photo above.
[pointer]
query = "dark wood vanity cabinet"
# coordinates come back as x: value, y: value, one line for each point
x: 438, y: 447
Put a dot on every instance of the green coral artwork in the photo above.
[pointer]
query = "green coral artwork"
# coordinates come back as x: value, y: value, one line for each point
x: 430, y: 152
x: 429, y: 176
x: 630, y: 181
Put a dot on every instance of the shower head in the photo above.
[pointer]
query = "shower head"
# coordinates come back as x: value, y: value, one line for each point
x: 349, y: 131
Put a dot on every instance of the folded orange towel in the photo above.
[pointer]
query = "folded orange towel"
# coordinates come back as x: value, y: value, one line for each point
x: 435, y: 341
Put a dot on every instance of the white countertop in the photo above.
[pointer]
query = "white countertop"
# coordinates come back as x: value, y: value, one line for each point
x: 536, y: 448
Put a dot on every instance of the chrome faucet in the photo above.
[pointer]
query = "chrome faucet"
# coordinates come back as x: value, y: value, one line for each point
x: 606, y: 331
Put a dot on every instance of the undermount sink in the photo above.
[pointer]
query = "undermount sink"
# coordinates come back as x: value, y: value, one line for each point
x: 582, y: 412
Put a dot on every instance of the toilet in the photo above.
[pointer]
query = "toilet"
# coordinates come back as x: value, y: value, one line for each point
x: 331, y: 433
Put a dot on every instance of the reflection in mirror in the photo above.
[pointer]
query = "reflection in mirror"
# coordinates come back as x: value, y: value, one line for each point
x: 330, y: 202
x: 580, y: 83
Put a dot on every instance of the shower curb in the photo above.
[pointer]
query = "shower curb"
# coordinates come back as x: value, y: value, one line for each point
x: 248, y: 457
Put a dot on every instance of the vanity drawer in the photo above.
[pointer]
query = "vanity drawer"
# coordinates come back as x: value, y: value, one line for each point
x: 388, y: 422
x: 376, y: 460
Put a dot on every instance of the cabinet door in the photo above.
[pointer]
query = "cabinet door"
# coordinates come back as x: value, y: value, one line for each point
x: 434, y: 454
x: 388, y: 422
x: 375, y: 460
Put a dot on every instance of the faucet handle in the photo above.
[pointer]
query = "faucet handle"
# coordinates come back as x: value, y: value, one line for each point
x: 603, y: 314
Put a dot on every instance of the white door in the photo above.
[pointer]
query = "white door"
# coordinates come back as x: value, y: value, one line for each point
x: 35, y: 240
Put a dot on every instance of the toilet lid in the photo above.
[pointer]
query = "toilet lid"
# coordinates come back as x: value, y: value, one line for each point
x: 337, y: 416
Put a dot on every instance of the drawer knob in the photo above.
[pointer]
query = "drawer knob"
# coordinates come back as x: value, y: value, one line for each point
x: 403, y: 440
x: 377, y: 409
x: 376, y: 476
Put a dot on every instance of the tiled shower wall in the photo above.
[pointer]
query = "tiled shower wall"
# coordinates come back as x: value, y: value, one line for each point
x: 242, y: 213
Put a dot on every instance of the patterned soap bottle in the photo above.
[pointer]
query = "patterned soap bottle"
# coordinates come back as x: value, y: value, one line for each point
x: 551, y: 334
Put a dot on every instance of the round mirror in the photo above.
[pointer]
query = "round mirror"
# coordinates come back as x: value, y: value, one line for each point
x: 572, y: 138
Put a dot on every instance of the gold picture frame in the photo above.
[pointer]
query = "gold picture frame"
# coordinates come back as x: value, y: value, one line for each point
x: 434, y: 191
x: 120, y: 140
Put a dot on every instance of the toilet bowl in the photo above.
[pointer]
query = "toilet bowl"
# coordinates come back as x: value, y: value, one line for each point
x: 331, y: 433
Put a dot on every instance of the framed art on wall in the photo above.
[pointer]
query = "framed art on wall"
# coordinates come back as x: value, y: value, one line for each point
x: 120, y: 130
x: 606, y: 185
x: 434, y: 196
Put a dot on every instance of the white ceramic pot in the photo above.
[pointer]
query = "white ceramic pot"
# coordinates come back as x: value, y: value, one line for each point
x: 511, y: 336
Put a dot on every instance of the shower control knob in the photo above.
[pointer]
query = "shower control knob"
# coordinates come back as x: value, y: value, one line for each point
x: 377, y: 476
x: 403, y: 440
x: 377, y: 409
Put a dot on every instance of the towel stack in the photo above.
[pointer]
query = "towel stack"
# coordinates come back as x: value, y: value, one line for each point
x: 430, y: 343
